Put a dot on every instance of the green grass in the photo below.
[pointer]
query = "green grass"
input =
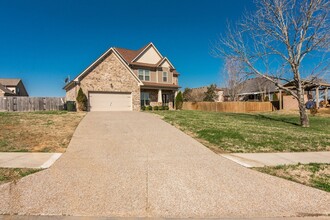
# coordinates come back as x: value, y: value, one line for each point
x: 264, y: 132
x: 13, y: 174
x: 314, y: 174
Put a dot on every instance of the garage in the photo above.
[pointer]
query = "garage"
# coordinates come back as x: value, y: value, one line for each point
x: 110, y: 101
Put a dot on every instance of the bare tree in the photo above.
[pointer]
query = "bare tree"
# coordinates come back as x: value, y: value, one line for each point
x: 233, y: 78
x: 187, y: 95
x: 279, y: 40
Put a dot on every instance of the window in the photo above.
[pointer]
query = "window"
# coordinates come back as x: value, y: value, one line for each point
x: 145, y: 99
x: 144, y: 75
x: 164, y: 76
x: 141, y: 76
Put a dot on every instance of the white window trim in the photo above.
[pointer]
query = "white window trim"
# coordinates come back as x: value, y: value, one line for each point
x: 144, y: 74
x: 163, y: 75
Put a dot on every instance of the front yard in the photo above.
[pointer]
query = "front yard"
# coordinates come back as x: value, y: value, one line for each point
x: 313, y: 174
x: 257, y: 132
x: 48, y: 131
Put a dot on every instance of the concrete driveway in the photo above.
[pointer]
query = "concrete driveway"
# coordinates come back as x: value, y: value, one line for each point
x: 132, y: 164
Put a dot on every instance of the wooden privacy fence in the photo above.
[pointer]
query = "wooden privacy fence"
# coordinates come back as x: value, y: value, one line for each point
x: 26, y: 104
x: 236, y: 107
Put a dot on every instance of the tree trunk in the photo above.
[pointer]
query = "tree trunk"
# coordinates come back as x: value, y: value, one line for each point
x: 304, y: 120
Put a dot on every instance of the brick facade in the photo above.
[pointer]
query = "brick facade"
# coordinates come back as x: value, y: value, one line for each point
x: 109, y: 76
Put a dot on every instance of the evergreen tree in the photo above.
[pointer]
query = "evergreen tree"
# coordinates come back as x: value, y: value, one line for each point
x: 82, y: 100
x: 211, y: 93
x: 179, y: 101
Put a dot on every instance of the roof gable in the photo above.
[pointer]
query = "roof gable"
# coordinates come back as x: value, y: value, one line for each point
x: 149, y: 54
x: 97, y: 62
x: 166, y: 63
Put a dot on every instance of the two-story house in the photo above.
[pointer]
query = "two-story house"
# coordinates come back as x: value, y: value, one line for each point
x: 12, y: 87
x: 124, y: 80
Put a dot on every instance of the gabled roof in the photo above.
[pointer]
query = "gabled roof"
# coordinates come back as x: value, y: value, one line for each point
x: 5, y: 90
x: 9, y: 82
x: 144, y: 49
x: 128, y: 55
x: 96, y: 62
x: 256, y: 85
x: 163, y: 60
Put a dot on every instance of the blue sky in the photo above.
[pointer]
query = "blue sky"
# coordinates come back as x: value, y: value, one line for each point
x: 44, y: 41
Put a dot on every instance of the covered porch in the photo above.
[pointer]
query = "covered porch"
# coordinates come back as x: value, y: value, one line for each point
x: 316, y: 91
x: 156, y: 94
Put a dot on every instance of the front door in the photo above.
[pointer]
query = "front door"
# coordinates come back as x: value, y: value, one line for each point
x: 165, y: 99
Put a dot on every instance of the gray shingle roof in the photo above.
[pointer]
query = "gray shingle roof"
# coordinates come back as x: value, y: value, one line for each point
x: 257, y: 85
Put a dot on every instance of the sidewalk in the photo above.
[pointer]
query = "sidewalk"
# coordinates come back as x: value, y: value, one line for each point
x: 274, y: 159
x: 27, y: 160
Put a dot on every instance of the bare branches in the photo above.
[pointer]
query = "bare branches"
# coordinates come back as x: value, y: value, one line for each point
x: 280, y: 35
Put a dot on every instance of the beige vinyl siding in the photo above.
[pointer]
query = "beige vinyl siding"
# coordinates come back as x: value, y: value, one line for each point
x: 149, y: 56
x: 153, y: 74
x: 169, y: 76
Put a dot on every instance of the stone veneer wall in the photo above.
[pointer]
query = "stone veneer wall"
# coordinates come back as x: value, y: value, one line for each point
x: 71, y: 93
x: 109, y: 76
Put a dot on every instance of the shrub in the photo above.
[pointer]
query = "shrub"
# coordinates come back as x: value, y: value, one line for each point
x: 71, y: 106
x: 143, y: 108
x: 155, y: 108
x: 149, y: 108
x: 82, y: 100
x: 160, y: 108
x: 178, y: 101
x: 166, y: 108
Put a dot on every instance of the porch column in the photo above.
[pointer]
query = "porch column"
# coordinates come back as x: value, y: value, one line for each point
x: 159, y: 95
x: 317, y: 94
x: 326, y: 96
x: 280, y: 100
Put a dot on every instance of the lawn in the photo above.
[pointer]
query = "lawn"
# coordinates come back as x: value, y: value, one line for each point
x: 13, y: 174
x: 313, y: 174
x: 257, y: 132
x: 48, y: 131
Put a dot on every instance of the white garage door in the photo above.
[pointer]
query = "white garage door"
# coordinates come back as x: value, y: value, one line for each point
x: 110, y: 101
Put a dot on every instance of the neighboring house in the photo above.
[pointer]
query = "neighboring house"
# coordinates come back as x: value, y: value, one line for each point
x: 256, y: 89
x: 12, y: 87
x: 124, y: 80
x: 198, y: 94
x: 317, y: 90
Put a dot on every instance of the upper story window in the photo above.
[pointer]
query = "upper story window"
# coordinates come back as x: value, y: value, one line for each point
x: 144, y: 75
x: 165, y: 76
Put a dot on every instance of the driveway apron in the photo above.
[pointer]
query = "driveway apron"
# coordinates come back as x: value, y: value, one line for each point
x: 133, y: 164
